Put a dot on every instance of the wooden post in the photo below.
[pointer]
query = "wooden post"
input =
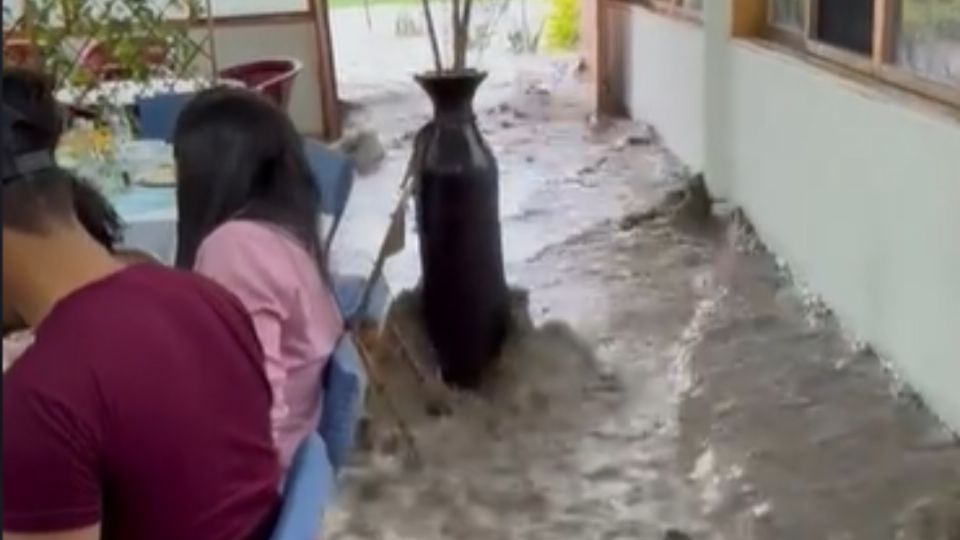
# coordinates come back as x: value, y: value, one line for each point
x: 749, y: 17
x: 883, y: 17
x: 326, y: 69
x: 809, y: 28
x: 602, y: 61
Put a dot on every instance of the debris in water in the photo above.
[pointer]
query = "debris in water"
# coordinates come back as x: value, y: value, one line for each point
x: 593, y: 167
x: 636, y: 219
x: 696, y: 208
x: 364, y: 149
x: 674, y: 534
x: 690, y: 205
x: 932, y: 518
x: 644, y: 136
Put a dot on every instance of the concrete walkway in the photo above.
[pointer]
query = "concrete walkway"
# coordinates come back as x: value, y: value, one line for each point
x: 671, y: 382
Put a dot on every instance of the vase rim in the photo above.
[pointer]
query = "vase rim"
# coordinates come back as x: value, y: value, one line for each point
x: 467, y: 73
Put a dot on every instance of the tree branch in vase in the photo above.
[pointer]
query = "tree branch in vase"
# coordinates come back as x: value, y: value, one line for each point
x: 432, y: 32
x: 463, y: 35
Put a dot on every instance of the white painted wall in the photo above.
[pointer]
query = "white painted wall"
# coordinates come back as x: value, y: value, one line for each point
x: 664, y: 64
x: 243, y: 42
x: 856, y: 185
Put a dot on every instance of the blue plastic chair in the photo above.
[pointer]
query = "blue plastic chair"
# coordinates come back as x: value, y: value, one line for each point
x: 157, y: 115
x: 333, y: 173
x: 344, y: 388
x: 307, y: 491
x: 311, y: 482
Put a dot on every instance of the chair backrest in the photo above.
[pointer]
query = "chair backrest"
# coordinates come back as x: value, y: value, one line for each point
x: 344, y: 385
x: 333, y: 173
x: 272, y: 77
x: 309, y: 488
x: 311, y: 481
x: 157, y: 115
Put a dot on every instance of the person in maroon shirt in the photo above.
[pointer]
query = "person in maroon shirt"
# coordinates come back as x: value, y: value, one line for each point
x: 142, y: 409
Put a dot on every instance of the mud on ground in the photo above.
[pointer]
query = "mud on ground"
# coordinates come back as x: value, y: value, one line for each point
x: 666, y: 383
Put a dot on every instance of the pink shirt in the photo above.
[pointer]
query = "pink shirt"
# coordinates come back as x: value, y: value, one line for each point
x: 293, y: 312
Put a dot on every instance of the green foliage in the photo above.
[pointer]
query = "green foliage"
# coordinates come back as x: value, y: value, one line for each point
x: 562, y: 29
x: 60, y: 29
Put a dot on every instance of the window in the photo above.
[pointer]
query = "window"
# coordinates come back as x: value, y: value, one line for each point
x: 846, y: 24
x: 689, y: 9
x: 788, y: 15
x: 926, y: 34
x: 911, y: 43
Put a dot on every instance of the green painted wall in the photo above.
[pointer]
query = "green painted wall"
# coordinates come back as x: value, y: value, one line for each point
x: 857, y: 187
x: 861, y: 195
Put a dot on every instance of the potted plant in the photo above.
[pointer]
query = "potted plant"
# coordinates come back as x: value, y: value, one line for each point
x: 465, y: 296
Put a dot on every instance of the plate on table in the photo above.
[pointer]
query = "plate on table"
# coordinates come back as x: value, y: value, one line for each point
x: 159, y: 177
x: 148, y: 162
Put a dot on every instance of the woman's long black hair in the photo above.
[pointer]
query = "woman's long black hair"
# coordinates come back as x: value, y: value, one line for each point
x: 239, y: 157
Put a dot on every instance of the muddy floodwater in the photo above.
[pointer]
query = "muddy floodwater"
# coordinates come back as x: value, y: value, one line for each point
x: 665, y: 378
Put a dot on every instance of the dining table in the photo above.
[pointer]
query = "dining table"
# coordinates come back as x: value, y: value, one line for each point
x: 150, y: 216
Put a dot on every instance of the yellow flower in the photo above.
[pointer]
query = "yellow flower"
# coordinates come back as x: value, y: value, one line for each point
x: 101, y: 140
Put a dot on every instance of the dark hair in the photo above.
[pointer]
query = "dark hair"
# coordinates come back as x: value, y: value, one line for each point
x: 51, y: 194
x: 35, y: 200
x: 239, y: 157
x: 97, y: 215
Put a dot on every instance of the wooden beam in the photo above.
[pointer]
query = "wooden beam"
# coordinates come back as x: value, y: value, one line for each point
x: 603, y: 59
x: 883, y: 18
x: 748, y: 18
x: 810, y: 25
x: 326, y: 70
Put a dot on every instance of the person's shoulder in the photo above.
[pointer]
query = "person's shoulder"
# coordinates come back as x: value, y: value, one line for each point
x: 242, y: 250
x: 138, y: 286
x: 157, y: 277
x: 242, y: 232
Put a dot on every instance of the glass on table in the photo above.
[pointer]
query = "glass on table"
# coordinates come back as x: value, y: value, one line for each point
x: 90, y: 152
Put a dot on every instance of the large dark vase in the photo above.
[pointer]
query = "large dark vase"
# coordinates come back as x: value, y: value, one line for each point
x: 465, y: 299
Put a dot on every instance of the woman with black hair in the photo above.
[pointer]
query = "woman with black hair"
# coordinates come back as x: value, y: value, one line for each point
x: 249, y: 219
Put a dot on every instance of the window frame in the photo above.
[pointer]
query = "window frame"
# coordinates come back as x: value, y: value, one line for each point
x: 880, y: 65
x: 675, y: 8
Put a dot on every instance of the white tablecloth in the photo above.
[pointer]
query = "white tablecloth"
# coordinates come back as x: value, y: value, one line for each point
x: 127, y: 92
x: 151, y: 218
